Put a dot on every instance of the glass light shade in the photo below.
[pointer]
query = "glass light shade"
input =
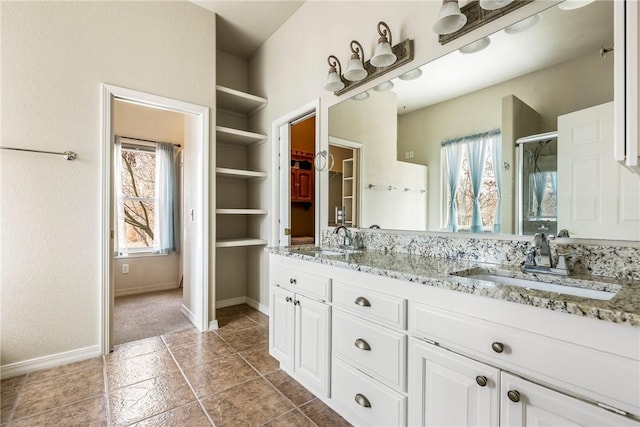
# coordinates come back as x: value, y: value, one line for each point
x: 411, y: 75
x: 361, y: 96
x: 450, y: 18
x: 384, y: 86
x: 523, y: 25
x: 383, y: 56
x: 573, y: 4
x: 494, y: 4
x: 476, y: 46
x: 355, y: 71
x: 334, y: 82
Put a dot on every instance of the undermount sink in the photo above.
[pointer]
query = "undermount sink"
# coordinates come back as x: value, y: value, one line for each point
x: 338, y: 251
x: 543, y: 286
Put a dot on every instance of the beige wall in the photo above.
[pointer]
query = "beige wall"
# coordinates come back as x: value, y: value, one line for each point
x: 422, y: 131
x: 54, y: 57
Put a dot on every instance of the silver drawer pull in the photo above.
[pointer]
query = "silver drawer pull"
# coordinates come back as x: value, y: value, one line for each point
x: 362, y: 401
x: 513, y: 396
x: 498, y: 347
x: 362, y: 302
x: 481, y: 380
x: 362, y: 344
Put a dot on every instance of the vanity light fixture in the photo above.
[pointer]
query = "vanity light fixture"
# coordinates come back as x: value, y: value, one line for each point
x: 494, y: 4
x: 411, y: 75
x: 450, y: 19
x: 476, y: 46
x: 384, y: 86
x: 523, y: 25
x: 383, y: 56
x: 334, y: 79
x: 355, y: 69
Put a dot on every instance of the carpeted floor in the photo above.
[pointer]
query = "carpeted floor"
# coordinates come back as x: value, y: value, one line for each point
x: 148, y: 315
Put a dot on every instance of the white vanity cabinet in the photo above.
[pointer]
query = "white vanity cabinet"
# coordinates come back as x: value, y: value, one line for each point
x: 299, y: 325
x: 568, y: 384
x: 369, y: 353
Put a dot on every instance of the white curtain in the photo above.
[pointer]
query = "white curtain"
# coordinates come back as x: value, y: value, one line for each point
x: 477, y: 155
x: 496, y: 159
x: 452, y: 153
x: 163, y: 222
x: 120, y: 238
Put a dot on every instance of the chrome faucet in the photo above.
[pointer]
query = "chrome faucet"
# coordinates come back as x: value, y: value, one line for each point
x: 538, y: 258
x: 347, y: 239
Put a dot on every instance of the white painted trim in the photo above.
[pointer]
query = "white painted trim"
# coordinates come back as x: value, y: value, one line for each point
x: 109, y: 92
x: 241, y: 300
x: 312, y: 107
x: 49, y: 361
x: 264, y: 309
x: 188, y: 313
x: 231, y: 301
x: 145, y: 289
x: 213, y: 325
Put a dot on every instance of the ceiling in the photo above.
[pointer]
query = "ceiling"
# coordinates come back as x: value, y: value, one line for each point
x: 243, y: 26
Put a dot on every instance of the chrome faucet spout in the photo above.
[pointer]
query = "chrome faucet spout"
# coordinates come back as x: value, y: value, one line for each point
x: 538, y: 258
x: 346, y: 240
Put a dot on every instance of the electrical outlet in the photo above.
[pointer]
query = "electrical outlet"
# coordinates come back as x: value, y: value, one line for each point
x: 125, y: 268
x: 411, y: 154
x: 407, y: 154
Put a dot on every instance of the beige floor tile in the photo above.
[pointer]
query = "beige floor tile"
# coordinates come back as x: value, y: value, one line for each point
x: 46, y: 374
x: 39, y: 396
x: 190, y: 415
x: 235, y: 322
x: 246, y: 338
x: 9, y: 389
x: 249, y: 404
x: 135, y: 348
x: 218, y: 375
x: 260, y: 318
x: 135, y: 369
x: 322, y: 415
x: 186, y: 337
x: 260, y: 359
x: 290, y: 387
x: 201, y: 352
x: 293, y: 418
x: 145, y: 399
x: 88, y: 412
x: 234, y: 309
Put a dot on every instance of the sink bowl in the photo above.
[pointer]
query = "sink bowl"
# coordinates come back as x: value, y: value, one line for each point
x: 338, y: 251
x: 544, y: 286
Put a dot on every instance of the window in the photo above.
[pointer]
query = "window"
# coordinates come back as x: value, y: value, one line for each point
x: 471, y: 183
x: 138, y: 178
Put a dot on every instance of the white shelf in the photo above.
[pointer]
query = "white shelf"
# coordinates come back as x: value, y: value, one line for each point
x: 237, y: 101
x: 237, y: 136
x: 240, y: 242
x: 240, y: 173
x: 241, y: 211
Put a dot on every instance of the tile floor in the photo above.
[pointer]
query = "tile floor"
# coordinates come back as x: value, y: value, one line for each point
x: 185, y: 378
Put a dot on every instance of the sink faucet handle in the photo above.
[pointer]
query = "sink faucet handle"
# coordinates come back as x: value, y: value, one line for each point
x: 562, y: 260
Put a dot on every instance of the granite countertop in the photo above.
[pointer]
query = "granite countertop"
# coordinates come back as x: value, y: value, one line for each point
x: 623, y: 308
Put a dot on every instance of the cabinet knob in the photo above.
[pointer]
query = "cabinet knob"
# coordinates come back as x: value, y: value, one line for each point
x: 481, y: 380
x: 362, y: 344
x: 292, y: 281
x: 296, y: 302
x: 362, y: 302
x: 288, y: 299
x: 498, y: 347
x: 513, y: 395
x: 362, y: 401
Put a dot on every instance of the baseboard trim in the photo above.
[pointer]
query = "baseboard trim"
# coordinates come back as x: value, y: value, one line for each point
x: 213, y: 325
x: 184, y: 310
x: 231, y: 301
x: 255, y: 304
x: 49, y: 361
x: 145, y: 289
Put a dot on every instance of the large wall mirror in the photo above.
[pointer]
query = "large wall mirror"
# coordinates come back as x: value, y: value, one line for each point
x: 527, y: 110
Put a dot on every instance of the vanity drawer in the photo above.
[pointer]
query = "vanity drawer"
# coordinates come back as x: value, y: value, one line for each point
x: 383, y: 308
x: 375, y: 350
x: 369, y: 402
x: 311, y: 285
x: 588, y: 372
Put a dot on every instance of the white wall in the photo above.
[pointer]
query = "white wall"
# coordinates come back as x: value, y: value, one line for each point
x: 54, y: 57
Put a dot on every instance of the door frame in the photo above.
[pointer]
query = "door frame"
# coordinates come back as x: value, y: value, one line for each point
x: 109, y: 93
x: 310, y: 108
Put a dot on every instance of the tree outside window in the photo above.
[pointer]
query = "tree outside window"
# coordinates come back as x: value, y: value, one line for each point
x: 138, y: 189
x: 488, y: 193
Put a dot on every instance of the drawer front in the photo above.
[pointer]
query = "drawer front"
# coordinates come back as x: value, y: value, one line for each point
x: 311, y: 285
x: 376, y: 350
x: 383, y: 308
x: 600, y: 376
x: 370, y: 402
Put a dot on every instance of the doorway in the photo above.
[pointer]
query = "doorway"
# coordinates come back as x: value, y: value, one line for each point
x: 191, y: 269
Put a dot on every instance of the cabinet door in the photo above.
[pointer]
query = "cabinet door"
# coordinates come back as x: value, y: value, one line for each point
x: 295, y: 184
x: 281, y: 327
x: 305, y: 185
x: 312, y: 344
x: 527, y: 404
x: 447, y: 389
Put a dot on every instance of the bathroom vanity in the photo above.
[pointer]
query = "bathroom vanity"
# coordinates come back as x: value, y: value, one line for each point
x: 396, y: 339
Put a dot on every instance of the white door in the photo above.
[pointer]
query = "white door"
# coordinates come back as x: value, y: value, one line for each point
x: 446, y: 389
x: 530, y: 405
x: 284, y: 229
x: 312, y: 344
x: 597, y: 197
x: 281, y: 327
